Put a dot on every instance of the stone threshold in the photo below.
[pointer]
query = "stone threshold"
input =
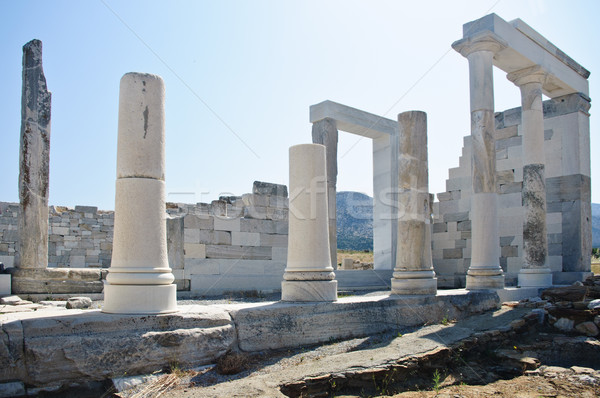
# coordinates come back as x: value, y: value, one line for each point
x: 51, y: 349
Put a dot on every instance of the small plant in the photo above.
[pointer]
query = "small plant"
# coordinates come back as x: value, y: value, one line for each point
x: 436, y: 380
x: 232, y: 363
x: 388, y: 379
x: 445, y: 321
x: 399, y: 334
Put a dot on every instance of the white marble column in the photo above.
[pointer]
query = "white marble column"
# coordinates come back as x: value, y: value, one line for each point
x: 485, y: 271
x: 534, y: 272
x: 308, y: 275
x: 139, y: 279
x: 413, y: 273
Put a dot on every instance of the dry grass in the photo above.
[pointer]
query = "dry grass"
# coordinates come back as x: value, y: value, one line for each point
x: 157, y: 388
x: 354, y: 255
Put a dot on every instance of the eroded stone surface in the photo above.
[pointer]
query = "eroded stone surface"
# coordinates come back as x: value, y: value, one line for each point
x: 34, y: 160
x: 66, y: 346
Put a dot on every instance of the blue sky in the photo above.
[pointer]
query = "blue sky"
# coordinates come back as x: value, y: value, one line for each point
x: 241, y: 75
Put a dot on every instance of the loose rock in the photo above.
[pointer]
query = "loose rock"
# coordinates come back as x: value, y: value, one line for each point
x: 79, y: 302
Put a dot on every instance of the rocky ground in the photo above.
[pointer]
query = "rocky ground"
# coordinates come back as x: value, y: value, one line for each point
x: 531, y: 348
x: 545, y: 346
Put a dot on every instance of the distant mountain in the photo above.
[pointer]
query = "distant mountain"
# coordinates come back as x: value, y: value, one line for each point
x: 595, y: 225
x: 354, y: 221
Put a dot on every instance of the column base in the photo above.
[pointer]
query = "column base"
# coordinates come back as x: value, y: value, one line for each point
x: 139, y: 299
x: 414, y: 286
x: 478, y: 282
x: 535, y: 277
x: 309, y: 291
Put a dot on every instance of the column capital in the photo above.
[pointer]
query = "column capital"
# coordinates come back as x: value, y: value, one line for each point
x: 484, y: 41
x: 532, y: 74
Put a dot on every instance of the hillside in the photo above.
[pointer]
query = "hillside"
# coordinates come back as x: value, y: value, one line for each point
x: 354, y: 221
x: 595, y: 225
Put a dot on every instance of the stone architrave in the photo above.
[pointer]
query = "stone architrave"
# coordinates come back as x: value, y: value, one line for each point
x: 413, y: 273
x: 34, y: 161
x: 308, y: 275
x: 485, y: 271
x: 139, y: 279
x: 325, y: 132
x: 534, y: 272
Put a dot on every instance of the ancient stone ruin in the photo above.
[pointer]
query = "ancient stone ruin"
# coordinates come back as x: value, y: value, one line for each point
x: 516, y: 212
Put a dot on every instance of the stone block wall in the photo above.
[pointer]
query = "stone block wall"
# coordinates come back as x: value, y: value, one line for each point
x: 77, y: 238
x: 231, y: 244
x: 567, y: 193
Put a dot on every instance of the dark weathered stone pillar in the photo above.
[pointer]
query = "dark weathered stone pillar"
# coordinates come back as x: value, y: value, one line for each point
x: 413, y: 272
x: 34, y: 161
x: 325, y: 132
x: 534, y: 273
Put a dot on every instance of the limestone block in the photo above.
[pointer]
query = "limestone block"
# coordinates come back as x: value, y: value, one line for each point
x: 216, y: 284
x: 238, y: 252
x: 273, y: 240
x: 141, y: 139
x: 226, y: 224
x: 191, y: 235
x: 57, y: 280
x: 215, y: 237
x: 264, y: 226
x: 277, y: 214
x: 246, y: 239
x: 5, y: 284
x: 97, y: 346
x: 250, y: 199
x: 297, y: 324
x: 242, y: 267
x: 175, y: 241
x: 200, y: 267
x: 192, y: 221
x: 279, y: 202
x: 195, y: 250
x: 256, y: 212
x: 265, y: 188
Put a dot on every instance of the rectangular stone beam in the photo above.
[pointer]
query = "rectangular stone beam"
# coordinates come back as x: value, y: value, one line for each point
x: 353, y: 120
x: 525, y: 48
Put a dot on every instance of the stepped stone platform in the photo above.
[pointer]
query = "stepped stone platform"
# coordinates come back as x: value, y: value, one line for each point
x: 50, y: 349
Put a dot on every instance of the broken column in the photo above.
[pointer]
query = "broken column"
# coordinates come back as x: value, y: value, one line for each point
x: 34, y: 161
x: 325, y: 132
x: 485, y: 271
x: 308, y: 275
x: 413, y: 273
x: 534, y: 272
x: 139, y: 279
